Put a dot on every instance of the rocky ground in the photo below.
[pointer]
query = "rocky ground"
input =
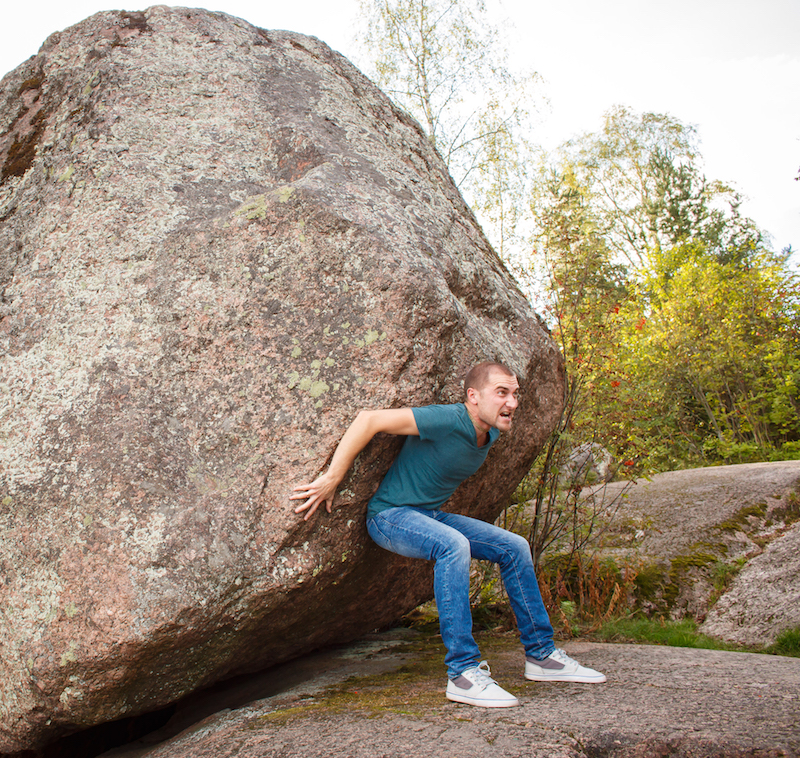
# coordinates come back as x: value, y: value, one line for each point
x: 384, y: 697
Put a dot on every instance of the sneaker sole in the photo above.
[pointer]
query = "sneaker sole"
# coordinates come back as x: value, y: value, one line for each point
x: 567, y: 678
x: 482, y: 703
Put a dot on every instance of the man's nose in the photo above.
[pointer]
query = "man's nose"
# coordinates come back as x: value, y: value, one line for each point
x: 512, y: 401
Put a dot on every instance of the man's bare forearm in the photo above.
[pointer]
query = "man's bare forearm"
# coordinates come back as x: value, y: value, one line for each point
x: 358, y: 435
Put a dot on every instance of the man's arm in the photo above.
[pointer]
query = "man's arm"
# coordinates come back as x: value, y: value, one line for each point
x: 365, y: 426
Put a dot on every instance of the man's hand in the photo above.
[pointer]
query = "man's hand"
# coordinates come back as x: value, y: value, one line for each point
x: 366, y: 425
x: 321, y: 490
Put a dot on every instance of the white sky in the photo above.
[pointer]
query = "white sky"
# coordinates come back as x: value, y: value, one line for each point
x: 731, y: 68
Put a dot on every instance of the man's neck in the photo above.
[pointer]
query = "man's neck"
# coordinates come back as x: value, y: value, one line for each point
x: 481, y: 428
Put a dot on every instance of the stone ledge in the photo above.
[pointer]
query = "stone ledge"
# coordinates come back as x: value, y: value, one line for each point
x: 389, y: 701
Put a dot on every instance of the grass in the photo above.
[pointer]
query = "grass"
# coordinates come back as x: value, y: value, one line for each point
x: 638, y: 629
x: 659, y: 632
x: 788, y: 643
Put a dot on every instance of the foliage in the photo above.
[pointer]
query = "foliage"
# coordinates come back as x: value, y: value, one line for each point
x: 446, y: 64
x: 716, y: 353
x: 585, y: 290
x: 614, y: 167
x: 692, y: 324
x: 682, y: 351
x: 580, y: 594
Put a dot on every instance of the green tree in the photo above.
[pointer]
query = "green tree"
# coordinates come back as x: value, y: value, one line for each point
x: 699, y: 364
x: 642, y: 177
x: 584, y: 290
x: 719, y: 351
x: 616, y: 166
x: 685, y: 207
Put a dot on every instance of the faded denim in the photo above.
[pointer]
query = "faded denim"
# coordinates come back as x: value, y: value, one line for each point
x: 451, y: 540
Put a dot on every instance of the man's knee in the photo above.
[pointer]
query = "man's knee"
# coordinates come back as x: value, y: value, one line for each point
x: 518, y: 545
x: 455, y: 547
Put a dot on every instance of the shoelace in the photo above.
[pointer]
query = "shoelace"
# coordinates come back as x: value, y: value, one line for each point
x: 562, y: 656
x: 483, y: 676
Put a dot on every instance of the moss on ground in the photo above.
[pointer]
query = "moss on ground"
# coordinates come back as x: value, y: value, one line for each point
x: 409, y: 689
x: 414, y: 689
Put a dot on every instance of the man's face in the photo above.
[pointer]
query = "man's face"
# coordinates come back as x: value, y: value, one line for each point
x: 495, y: 403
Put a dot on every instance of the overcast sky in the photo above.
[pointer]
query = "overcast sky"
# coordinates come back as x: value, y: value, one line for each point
x: 731, y: 68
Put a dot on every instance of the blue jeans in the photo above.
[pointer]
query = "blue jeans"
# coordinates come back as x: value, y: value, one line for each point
x: 450, y: 540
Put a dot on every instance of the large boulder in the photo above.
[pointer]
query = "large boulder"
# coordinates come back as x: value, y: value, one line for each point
x: 218, y: 243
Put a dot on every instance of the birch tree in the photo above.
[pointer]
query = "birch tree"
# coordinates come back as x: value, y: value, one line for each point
x: 445, y: 63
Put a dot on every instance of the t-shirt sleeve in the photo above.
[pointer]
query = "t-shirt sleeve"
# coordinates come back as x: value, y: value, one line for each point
x: 433, y: 421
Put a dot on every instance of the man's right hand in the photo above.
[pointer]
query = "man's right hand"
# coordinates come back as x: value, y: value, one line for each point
x: 366, y: 425
x: 321, y: 490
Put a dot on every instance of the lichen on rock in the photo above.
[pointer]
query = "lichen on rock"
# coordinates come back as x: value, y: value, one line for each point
x: 217, y: 243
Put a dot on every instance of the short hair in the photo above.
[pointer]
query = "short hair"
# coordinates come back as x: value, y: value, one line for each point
x: 478, y: 376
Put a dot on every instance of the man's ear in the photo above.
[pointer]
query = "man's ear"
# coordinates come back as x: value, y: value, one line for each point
x: 472, y: 395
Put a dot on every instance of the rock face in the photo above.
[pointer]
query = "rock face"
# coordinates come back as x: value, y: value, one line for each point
x: 218, y: 243
x: 587, y: 464
x: 685, y: 529
x: 764, y: 599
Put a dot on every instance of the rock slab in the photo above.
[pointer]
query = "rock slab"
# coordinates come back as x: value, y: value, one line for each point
x: 764, y: 599
x: 695, y: 521
x: 659, y: 701
x: 217, y: 243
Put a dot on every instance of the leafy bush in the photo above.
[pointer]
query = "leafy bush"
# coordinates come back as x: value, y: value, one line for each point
x: 788, y: 451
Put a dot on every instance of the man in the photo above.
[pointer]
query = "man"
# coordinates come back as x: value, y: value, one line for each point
x: 444, y: 445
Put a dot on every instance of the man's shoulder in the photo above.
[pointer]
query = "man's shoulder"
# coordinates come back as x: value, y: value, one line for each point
x: 454, y: 410
x: 437, y: 419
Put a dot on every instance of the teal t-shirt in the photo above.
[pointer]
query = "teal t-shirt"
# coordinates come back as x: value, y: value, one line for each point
x: 428, y: 468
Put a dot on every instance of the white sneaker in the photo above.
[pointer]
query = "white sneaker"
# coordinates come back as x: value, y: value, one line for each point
x: 475, y: 686
x: 559, y: 667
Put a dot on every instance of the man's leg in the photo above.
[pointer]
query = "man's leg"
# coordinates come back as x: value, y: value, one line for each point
x: 543, y: 661
x: 513, y: 555
x: 414, y: 533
